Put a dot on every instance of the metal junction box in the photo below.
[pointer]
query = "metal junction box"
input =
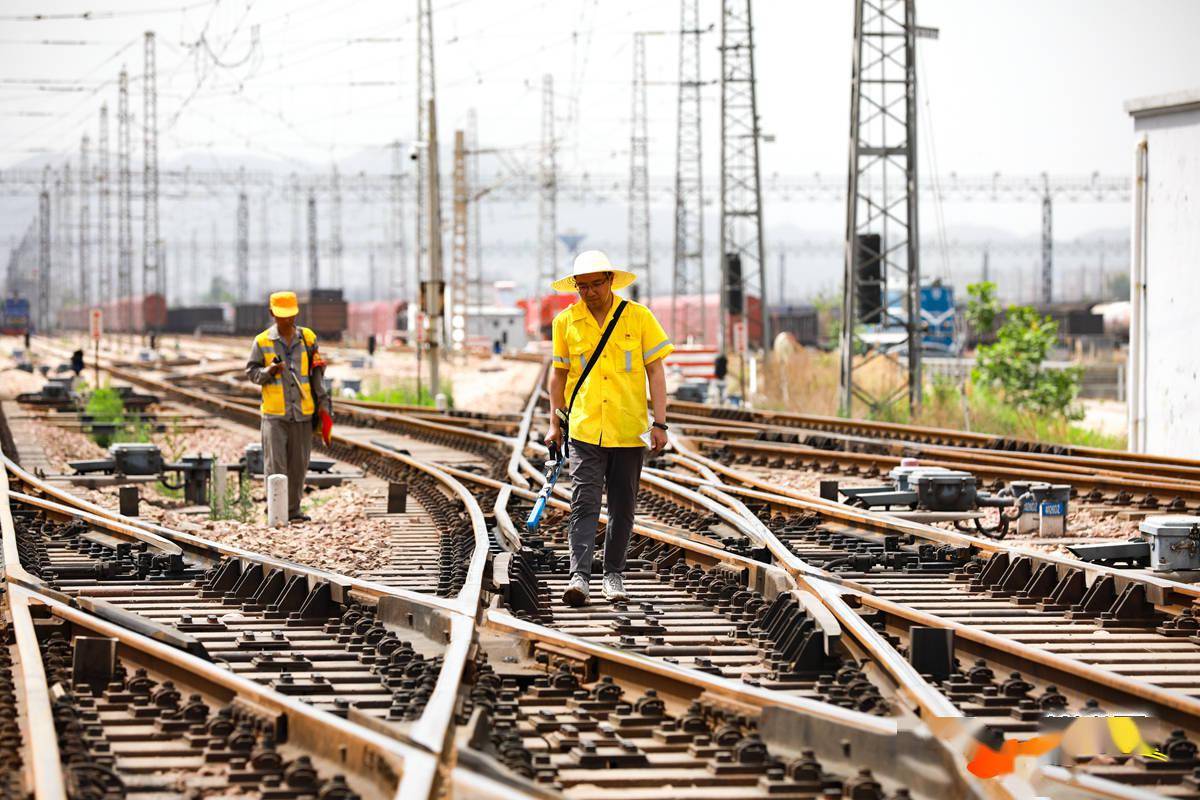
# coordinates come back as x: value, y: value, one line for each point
x: 946, y: 491
x: 1174, y: 542
x: 137, y: 459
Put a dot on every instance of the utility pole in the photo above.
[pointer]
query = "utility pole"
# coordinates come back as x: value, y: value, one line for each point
x: 124, y: 204
x: 85, y: 189
x: 882, y: 241
x: 426, y: 90
x: 152, y: 276
x: 243, y: 248
x: 548, y: 195
x: 313, y: 244
x: 459, y: 310
x: 104, y: 292
x: 264, y: 247
x: 689, y: 180
x: 335, y: 230
x: 43, y: 321
x: 639, y: 178
x: 986, y: 254
x: 397, y: 283
x: 743, y: 266
x: 1047, y: 243
x: 437, y: 286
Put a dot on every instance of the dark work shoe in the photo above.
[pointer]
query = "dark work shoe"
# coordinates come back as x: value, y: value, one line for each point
x: 300, y: 518
x: 577, y: 591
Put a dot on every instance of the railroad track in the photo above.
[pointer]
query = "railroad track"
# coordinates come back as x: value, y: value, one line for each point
x: 735, y: 614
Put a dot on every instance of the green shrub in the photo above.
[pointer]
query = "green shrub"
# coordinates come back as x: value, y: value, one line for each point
x: 405, y: 394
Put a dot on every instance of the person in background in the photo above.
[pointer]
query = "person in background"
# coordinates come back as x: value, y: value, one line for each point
x: 284, y: 361
x: 607, y: 420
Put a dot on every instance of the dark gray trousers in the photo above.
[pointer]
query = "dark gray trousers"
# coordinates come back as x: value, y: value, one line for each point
x: 592, y: 468
x: 286, y: 448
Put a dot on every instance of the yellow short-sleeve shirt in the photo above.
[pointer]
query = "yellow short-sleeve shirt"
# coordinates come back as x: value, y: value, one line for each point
x: 611, y: 409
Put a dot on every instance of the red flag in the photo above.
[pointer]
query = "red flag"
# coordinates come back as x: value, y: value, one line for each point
x: 326, y: 425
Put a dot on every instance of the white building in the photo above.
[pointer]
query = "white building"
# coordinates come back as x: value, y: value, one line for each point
x: 1164, y: 324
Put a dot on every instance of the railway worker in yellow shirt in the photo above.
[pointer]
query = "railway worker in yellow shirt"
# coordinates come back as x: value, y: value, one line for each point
x: 617, y: 348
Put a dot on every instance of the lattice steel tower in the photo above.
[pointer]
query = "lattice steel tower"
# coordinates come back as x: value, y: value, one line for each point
x: 743, y: 265
x: 882, y: 271
x: 153, y: 279
x: 689, y: 179
x: 396, y: 285
x: 548, y: 194
x: 124, y: 202
x: 638, y: 256
x: 474, y: 249
x: 43, y: 309
x: 1047, y: 242
x: 459, y: 277
x: 85, y: 228
x: 242, y: 279
x: 335, y: 230
x: 426, y: 88
x: 104, y: 285
x: 314, y: 270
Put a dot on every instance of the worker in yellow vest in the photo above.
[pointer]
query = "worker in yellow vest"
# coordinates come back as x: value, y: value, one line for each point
x: 285, y: 362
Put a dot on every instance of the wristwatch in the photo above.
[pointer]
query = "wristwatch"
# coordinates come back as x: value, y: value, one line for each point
x: 662, y: 426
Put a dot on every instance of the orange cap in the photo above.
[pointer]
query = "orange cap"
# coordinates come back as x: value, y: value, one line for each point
x: 284, y: 304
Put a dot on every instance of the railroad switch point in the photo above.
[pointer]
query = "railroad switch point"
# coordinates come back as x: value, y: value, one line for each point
x: 397, y: 498
x: 129, y: 501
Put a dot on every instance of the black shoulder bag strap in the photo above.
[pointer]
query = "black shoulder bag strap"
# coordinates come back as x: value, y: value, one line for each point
x: 587, y: 369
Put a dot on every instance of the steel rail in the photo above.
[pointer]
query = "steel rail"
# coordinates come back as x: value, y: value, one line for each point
x: 915, y: 433
x: 374, y: 757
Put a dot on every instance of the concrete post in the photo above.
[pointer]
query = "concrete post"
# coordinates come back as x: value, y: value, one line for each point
x: 277, y: 500
x: 220, y: 493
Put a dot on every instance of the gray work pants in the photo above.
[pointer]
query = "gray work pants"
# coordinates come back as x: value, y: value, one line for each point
x: 286, y: 445
x: 593, y: 467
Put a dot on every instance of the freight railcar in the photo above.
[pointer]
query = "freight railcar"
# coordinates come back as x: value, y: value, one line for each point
x: 323, y: 310
x: 14, y: 319
x: 190, y: 319
x: 140, y: 314
x: 386, y: 320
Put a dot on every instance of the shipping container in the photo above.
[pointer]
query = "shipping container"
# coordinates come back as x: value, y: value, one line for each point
x: 190, y: 319
x: 323, y: 310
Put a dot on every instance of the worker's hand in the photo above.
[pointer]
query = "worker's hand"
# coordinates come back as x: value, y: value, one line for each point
x: 658, y: 440
x: 275, y: 368
x: 554, y: 435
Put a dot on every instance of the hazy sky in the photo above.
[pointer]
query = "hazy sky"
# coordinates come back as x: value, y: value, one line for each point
x: 1016, y: 87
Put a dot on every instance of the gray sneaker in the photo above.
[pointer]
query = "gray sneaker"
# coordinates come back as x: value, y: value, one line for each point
x: 577, y: 591
x: 614, y: 587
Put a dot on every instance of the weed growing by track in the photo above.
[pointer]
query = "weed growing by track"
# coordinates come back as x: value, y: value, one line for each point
x: 405, y: 393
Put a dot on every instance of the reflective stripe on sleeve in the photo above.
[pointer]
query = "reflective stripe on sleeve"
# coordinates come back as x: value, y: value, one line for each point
x: 655, y: 349
x: 561, y: 360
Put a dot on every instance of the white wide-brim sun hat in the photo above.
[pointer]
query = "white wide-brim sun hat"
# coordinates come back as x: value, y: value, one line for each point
x: 589, y: 262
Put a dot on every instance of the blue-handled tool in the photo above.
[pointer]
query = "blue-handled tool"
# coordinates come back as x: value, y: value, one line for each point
x: 553, y: 466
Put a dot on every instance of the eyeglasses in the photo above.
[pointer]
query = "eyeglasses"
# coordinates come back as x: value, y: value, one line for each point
x: 593, y: 286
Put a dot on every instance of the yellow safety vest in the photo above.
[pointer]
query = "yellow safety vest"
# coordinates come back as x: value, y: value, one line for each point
x: 273, y: 403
